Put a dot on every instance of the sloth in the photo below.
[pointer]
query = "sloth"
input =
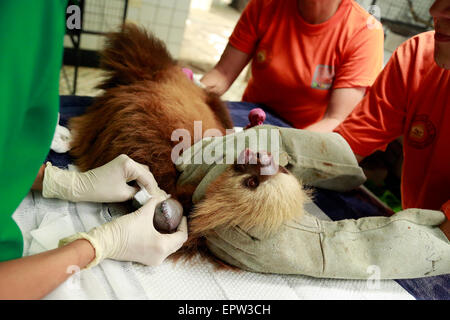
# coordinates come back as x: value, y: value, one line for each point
x: 244, y: 197
x: 146, y: 97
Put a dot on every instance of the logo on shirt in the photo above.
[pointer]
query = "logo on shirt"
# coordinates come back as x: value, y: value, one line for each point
x: 323, y: 77
x: 263, y: 56
x: 421, y: 133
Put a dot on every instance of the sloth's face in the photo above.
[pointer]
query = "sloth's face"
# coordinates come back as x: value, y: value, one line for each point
x: 247, y: 196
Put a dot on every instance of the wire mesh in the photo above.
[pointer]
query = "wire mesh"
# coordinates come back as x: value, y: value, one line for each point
x: 102, y: 16
x: 414, y: 12
x: 406, y: 17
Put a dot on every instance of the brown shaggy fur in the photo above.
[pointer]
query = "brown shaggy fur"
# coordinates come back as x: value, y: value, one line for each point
x: 146, y: 98
x: 228, y: 203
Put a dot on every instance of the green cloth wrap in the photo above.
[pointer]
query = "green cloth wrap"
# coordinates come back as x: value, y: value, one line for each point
x: 408, y: 244
x: 322, y: 160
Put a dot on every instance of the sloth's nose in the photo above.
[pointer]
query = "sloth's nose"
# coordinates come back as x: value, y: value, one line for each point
x: 264, y: 158
x: 268, y: 165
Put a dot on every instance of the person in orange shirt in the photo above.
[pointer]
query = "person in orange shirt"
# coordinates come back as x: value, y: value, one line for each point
x: 312, y: 59
x: 411, y: 97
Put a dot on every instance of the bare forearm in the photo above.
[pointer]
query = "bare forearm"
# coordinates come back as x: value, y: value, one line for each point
x: 37, y: 184
x: 327, y: 124
x: 35, y: 276
x: 342, y: 102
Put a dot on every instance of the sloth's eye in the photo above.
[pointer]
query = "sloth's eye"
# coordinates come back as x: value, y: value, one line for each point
x: 251, y: 182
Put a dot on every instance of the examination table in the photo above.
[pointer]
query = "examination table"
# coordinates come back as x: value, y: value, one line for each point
x: 44, y: 221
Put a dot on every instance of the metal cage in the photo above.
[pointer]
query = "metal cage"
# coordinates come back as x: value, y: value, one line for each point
x: 97, y: 18
x: 404, y: 17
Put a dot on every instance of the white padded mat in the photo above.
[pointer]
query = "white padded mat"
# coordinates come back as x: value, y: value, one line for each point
x: 44, y: 221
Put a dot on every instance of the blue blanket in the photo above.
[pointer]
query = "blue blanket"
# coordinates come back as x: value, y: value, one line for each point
x: 348, y: 205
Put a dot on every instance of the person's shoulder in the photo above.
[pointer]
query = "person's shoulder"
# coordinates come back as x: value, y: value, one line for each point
x: 265, y: 11
x: 413, y: 59
x: 421, y: 42
x: 360, y: 21
x: 419, y: 48
x: 358, y: 11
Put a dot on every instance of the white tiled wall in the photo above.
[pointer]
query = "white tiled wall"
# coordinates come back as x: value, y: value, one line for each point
x: 201, y: 4
x: 165, y: 18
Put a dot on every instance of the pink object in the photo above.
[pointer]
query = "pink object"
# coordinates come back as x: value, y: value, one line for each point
x: 188, y: 73
x: 256, y: 117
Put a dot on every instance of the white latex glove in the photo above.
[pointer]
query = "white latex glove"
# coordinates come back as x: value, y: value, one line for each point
x: 107, y: 183
x: 196, y: 79
x: 61, y: 140
x: 132, y: 237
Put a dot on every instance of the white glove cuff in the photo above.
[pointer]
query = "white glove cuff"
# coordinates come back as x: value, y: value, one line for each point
x: 82, y: 235
x: 57, y: 183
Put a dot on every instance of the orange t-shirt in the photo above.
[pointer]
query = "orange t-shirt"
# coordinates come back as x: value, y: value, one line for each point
x: 296, y: 64
x: 411, y: 97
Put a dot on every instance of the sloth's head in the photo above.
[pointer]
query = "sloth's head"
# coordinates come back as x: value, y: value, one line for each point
x: 255, y: 194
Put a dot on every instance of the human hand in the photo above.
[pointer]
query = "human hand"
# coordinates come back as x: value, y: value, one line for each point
x: 107, y: 183
x: 445, y: 226
x: 133, y: 237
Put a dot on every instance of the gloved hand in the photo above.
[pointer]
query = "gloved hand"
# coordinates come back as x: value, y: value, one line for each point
x: 408, y: 244
x: 107, y: 183
x: 132, y: 237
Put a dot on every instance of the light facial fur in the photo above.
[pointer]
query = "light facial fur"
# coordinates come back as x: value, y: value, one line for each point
x: 263, y: 209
